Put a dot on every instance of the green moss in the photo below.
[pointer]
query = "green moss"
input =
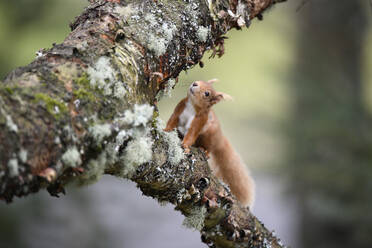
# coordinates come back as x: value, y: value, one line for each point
x: 9, y: 90
x: 154, y: 121
x: 85, y: 88
x: 83, y: 94
x: 85, y: 91
x: 53, y: 106
x: 83, y: 80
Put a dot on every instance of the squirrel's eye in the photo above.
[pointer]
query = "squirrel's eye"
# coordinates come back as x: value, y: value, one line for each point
x: 206, y: 93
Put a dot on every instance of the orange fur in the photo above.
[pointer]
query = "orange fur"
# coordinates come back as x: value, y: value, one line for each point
x: 195, y: 119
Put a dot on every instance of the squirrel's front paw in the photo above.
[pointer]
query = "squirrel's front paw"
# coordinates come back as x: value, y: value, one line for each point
x: 186, y: 148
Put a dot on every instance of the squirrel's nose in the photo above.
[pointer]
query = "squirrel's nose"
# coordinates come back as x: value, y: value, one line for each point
x: 194, y: 84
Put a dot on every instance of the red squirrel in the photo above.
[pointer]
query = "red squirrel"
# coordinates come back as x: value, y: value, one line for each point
x: 195, y: 120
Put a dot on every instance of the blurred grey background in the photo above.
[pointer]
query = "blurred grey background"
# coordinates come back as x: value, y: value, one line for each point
x: 301, y: 119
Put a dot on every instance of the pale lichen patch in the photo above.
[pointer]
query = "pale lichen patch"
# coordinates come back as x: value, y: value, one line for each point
x: 23, y: 155
x: 101, y: 72
x: 100, y: 131
x: 94, y: 169
x: 202, y: 33
x: 139, y: 149
x: 120, y: 138
x: 175, y: 152
x: 57, y: 140
x: 195, y: 219
x: 111, y: 153
x: 13, y: 167
x: 140, y: 115
x: 137, y: 152
x: 103, y: 76
x: 170, y: 85
x: 125, y: 12
x: 10, y: 124
x: 168, y: 30
x: 119, y: 90
x: 150, y: 18
x: 82, y: 46
x: 158, y: 34
x: 71, y: 157
x: 157, y: 44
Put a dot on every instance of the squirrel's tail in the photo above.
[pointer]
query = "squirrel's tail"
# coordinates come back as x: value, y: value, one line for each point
x: 228, y: 166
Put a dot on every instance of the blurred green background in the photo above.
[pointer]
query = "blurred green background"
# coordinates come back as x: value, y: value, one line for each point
x: 301, y: 119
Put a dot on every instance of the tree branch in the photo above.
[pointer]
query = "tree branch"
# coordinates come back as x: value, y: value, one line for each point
x: 86, y: 107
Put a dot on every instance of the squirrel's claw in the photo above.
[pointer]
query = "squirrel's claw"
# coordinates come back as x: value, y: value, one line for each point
x: 186, y: 149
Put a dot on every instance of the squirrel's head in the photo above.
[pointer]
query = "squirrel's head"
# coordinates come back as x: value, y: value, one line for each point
x: 203, y: 95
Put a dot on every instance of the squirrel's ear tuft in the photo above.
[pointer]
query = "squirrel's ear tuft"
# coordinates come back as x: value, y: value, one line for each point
x: 212, y: 81
x: 224, y: 96
x: 219, y: 96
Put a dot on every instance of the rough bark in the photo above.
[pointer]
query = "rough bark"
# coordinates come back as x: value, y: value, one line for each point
x: 85, y: 107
